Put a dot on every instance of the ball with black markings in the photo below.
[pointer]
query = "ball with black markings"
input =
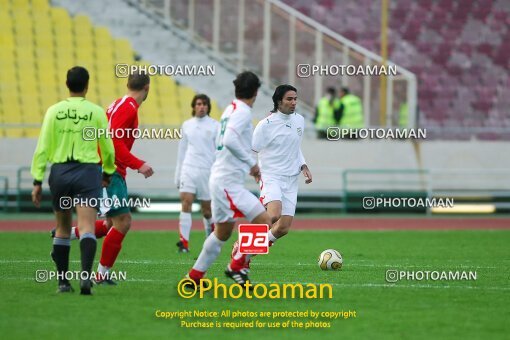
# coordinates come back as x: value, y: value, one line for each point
x: 330, y: 259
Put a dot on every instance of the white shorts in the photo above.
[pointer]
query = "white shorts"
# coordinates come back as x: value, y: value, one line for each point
x: 195, y: 181
x: 231, y: 201
x: 280, y: 188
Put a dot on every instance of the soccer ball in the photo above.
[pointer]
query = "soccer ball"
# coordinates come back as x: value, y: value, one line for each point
x: 330, y: 259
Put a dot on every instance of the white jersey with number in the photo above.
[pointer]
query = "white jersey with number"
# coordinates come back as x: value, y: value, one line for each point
x: 234, y: 156
x: 277, y: 140
x: 198, y: 144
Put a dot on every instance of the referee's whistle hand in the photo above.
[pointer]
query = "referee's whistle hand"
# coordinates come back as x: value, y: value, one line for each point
x: 37, y: 195
x: 146, y: 170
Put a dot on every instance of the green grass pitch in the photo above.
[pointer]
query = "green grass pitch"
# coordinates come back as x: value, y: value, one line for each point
x: 407, y: 309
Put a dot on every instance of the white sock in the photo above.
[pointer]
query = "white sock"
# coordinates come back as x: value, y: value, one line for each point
x: 208, y: 225
x: 210, y: 251
x: 271, y: 237
x: 73, y: 234
x: 249, y: 256
x: 103, y: 269
x: 185, y: 225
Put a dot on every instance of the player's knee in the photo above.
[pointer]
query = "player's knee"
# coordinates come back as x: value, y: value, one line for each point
x: 186, y: 204
x: 207, y: 214
x: 266, y: 219
x: 222, y: 235
x: 275, y: 218
x: 124, y: 223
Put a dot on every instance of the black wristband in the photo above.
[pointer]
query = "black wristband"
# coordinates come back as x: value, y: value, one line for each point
x: 36, y: 182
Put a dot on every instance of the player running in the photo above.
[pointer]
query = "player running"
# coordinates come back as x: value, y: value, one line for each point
x: 75, y: 172
x: 234, y: 160
x: 122, y: 114
x: 277, y: 140
x: 194, y: 160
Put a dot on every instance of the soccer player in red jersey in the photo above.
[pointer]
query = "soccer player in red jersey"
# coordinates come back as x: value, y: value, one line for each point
x: 122, y: 114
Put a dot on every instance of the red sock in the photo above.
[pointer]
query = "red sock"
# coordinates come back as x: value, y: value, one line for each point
x: 195, y: 275
x: 111, y: 247
x: 101, y: 228
x: 212, y: 227
x: 184, y: 241
x: 237, y: 265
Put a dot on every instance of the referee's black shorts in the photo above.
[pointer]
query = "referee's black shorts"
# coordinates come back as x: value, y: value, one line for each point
x: 75, y: 180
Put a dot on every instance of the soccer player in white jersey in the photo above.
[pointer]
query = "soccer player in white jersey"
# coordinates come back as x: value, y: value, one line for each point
x: 194, y: 160
x: 234, y: 160
x: 277, y: 140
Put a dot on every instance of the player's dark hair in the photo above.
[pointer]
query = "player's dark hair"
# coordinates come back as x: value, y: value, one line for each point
x: 77, y: 79
x: 137, y: 81
x: 246, y: 85
x: 278, y: 94
x: 204, y: 98
x: 345, y: 90
x: 331, y: 90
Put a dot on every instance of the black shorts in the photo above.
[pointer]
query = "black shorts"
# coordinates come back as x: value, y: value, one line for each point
x: 75, y: 180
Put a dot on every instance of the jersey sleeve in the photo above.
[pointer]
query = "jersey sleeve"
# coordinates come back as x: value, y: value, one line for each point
x: 181, y: 153
x: 232, y: 141
x: 105, y: 144
x: 259, y: 140
x: 41, y: 154
x: 125, y: 121
x: 217, y: 129
x: 302, y: 160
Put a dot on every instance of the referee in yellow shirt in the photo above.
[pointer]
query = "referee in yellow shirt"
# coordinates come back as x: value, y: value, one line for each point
x: 75, y: 175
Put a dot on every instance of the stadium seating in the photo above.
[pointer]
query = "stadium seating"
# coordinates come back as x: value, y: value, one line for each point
x: 458, y: 49
x: 39, y: 43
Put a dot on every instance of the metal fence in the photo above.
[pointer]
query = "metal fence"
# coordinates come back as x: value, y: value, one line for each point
x: 279, y: 43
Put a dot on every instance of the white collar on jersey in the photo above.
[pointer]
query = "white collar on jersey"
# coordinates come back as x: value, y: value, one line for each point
x: 283, y: 115
x: 239, y: 102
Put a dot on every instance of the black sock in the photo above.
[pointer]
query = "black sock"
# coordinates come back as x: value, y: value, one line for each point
x: 61, y: 248
x: 88, y: 246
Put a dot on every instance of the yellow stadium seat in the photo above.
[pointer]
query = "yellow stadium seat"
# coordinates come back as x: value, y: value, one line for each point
x: 216, y: 111
x: 24, y: 52
x: 14, y: 132
x: 40, y: 5
x: 46, y: 68
x: 186, y: 95
x: 43, y: 27
x: 7, y: 55
x: 32, y: 132
x: 123, y: 51
x: 47, y: 53
x: 32, y: 113
x: 60, y: 19
x: 102, y: 37
x: 8, y: 76
x: 5, y: 5
x: 5, y: 21
x: 82, y: 25
x: 12, y: 113
x: 49, y: 98
x: 23, y: 24
x: 20, y: 5
x: 39, y: 44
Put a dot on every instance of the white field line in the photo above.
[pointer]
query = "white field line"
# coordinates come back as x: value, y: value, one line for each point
x: 347, y: 285
x: 350, y: 264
